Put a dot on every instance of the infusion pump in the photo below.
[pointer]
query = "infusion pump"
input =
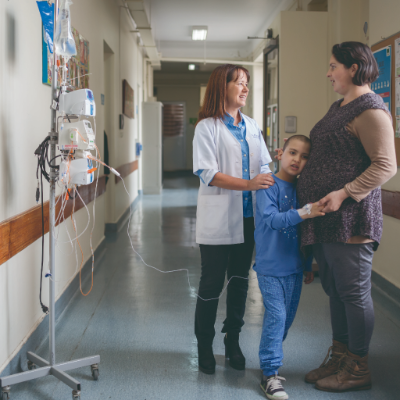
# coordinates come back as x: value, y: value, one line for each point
x: 78, y: 102
x: 77, y: 171
x: 76, y: 136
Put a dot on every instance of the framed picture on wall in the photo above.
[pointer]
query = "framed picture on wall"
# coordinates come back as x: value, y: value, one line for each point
x: 128, y: 108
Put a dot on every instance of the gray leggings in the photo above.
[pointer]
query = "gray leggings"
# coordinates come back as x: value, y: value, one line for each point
x: 345, y: 271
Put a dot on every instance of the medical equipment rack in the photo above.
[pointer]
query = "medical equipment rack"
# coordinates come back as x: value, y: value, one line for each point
x: 50, y: 367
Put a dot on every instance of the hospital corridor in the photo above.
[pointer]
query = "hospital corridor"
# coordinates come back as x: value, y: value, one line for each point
x: 195, y: 195
x: 140, y: 321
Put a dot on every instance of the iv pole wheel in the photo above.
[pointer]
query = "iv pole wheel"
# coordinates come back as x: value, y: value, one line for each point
x: 95, y: 371
x: 31, y: 365
x: 5, y: 393
x: 76, y: 394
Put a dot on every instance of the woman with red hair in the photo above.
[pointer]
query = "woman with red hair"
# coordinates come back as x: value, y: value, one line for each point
x: 231, y: 159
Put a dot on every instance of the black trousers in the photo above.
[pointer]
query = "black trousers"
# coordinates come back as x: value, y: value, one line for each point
x: 216, y: 261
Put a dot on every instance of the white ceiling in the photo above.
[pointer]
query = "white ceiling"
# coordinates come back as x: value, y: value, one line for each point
x: 229, y: 23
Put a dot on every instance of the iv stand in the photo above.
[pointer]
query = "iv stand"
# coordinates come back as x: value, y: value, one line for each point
x: 50, y: 367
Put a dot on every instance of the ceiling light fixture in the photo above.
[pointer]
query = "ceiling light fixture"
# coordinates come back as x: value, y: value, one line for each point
x: 199, y: 32
x: 192, y: 67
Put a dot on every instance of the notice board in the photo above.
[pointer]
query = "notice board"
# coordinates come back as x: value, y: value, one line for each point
x: 390, y: 45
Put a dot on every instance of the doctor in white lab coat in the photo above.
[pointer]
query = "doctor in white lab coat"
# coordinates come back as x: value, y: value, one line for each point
x: 231, y: 159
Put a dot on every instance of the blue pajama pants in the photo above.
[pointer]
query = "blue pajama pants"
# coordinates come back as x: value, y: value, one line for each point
x: 281, y: 297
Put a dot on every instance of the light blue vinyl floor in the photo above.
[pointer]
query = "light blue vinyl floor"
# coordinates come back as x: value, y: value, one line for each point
x: 141, y: 323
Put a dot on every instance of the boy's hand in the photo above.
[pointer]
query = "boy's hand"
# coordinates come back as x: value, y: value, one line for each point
x: 309, y: 277
x: 316, y: 211
x: 278, y: 155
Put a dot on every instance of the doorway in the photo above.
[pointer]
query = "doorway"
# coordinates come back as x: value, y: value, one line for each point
x: 174, y: 136
x: 109, y: 134
x: 271, y: 99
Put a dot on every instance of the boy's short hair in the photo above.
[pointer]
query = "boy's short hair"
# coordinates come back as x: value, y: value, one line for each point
x: 302, y: 138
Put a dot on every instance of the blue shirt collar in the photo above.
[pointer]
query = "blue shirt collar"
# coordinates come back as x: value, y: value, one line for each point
x: 229, y: 120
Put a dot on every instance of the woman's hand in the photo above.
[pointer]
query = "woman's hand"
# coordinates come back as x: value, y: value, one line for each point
x: 333, y: 201
x: 308, y: 277
x: 261, y: 181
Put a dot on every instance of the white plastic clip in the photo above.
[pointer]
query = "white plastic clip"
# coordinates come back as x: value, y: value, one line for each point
x: 115, y: 172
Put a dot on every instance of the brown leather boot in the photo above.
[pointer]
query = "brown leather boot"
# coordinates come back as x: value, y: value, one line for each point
x: 353, y: 375
x: 339, y: 350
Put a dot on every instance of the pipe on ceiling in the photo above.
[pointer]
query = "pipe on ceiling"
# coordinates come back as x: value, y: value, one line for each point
x: 211, y: 61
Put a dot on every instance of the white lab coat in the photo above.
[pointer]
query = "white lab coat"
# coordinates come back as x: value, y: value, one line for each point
x: 220, y: 211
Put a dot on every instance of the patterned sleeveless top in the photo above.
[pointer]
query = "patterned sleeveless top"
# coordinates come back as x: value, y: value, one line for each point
x: 337, y: 157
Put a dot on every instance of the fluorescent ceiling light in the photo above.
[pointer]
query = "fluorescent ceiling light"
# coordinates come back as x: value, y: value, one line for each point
x: 199, y: 32
x: 192, y: 67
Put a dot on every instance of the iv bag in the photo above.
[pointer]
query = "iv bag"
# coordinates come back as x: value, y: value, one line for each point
x: 64, y: 41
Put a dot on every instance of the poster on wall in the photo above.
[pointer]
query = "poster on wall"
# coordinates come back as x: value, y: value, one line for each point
x: 397, y: 85
x: 382, y: 85
x: 397, y: 110
x: 78, y: 66
x: 397, y: 57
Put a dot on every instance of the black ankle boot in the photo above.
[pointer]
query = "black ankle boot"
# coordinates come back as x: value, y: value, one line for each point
x: 206, y: 359
x: 233, y: 352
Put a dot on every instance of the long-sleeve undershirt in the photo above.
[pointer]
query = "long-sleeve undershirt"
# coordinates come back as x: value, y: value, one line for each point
x: 375, y: 131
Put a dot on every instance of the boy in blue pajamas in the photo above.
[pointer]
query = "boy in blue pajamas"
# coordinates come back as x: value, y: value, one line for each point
x: 279, y: 263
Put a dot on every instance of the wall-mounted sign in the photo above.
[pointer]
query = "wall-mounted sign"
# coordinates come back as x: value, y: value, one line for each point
x: 383, y: 84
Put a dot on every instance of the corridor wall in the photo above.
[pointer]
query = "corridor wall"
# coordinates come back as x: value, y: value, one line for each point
x: 24, y: 123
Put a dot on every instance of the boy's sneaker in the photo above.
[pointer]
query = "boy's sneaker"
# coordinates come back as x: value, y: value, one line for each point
x: 272, y: 387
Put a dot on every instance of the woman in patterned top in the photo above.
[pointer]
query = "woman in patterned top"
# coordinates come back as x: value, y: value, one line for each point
x: 352, y: 156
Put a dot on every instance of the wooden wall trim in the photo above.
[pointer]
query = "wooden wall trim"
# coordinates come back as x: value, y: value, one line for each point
x: 20, y: 231
x: 391, y: 203
x: 126, y: 170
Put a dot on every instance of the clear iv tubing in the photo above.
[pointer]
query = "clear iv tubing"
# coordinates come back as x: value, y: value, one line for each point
x: 79, y: 76
x: 87, y: 225
x: 94, y: 208
x: 175, y: 270
x: 73, y: 246
x: 151, y: 266
x: 69, y: 236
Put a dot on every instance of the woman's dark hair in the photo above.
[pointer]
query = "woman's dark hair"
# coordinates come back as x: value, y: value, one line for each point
x: 349, y: 53
x: 214, y: 98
